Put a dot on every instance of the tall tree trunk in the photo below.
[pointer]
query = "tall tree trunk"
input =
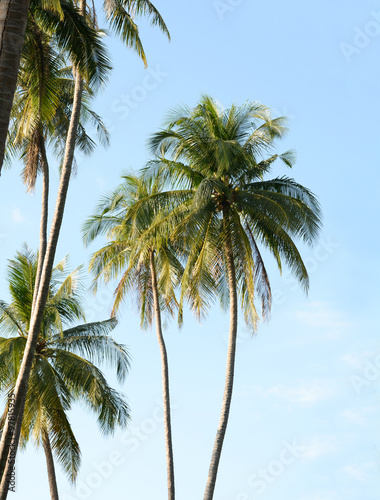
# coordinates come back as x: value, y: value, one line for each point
x: 37, y: 314
x: 165, y: 382
x: 44, y: 218
x: 13, y: 17
x: 230, y: 368
x: 43, y: 244
x: 50, y: 465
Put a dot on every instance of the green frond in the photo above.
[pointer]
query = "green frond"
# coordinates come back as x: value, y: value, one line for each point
x: 53, y: 6
x: 262, y: 284
x: 93, y: 342
x: 123, y: 24
x: 136, y: 219
x: 9, y: 322
x: 121, y: 17
x: 109, y: 261
x: 63, y: 369
x: 63, y: 442
x: 219, y: 157
x: 244, y: 269
x: 87, y: 383
x: 74, y: 35
x: 11, y: 352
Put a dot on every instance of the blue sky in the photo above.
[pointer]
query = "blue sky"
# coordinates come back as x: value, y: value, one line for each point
x: 305, y: 413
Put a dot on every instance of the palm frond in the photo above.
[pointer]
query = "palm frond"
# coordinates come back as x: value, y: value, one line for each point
x: 93, y: 342
x: 121, y: 16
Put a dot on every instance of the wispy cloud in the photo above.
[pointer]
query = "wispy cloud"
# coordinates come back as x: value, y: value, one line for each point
x: 329, y: 322
x: 360, y: 472
x: 359, y: 417
x: 356, y: 360
x: 17, y: 216
x: 320, y: 446
x: 306, y: 393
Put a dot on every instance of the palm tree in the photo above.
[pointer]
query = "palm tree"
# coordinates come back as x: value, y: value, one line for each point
x: 221, y: 156
x: 59, y: 375
x: 121, y: 16
x: 91, y: 63
x: 148, y: 264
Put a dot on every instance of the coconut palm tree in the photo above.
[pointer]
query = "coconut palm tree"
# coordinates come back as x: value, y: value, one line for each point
x: 84, y: 45
x: 121, y: 15
x: 91, y: 64
x: 148, y: 264
x: 60, y: 375
x: 222, y: 156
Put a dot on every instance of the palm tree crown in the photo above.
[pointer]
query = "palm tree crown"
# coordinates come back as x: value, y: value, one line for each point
x: 126, y: 218
x: 64, y: 368
x: 219, y: 158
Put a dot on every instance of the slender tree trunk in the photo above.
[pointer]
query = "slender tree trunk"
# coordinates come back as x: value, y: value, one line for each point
x: 44, y: 218
x: 50, y: 465
x: 165, y: 382
x: 43, y: 244
x: 13, y: 17
x: 43, y: 289
x: 230, y: 369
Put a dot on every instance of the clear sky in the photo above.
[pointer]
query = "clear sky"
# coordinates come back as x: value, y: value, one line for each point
x: 305, y: 415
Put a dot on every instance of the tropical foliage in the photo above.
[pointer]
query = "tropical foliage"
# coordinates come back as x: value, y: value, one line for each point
x: 191, y: 229
x: 65, y: 368
x: 87, y: 69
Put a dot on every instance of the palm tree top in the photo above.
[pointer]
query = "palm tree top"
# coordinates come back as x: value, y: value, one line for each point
x: 63, y: 308
x: 221, y: 143
x: 132, y: 226
x: 219, y: 158
x: 65, y: 367
x: 65, y: 294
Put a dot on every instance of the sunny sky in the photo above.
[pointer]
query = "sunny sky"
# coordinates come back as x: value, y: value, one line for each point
x: 305, y: 415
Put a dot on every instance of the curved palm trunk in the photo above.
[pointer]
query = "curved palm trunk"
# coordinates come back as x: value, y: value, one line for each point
x: 43, y: 289
x: 44, y: 218
x: 13, y: 17
x: 50, y: 466
x: 230, y: 369
x: 165, y: 382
